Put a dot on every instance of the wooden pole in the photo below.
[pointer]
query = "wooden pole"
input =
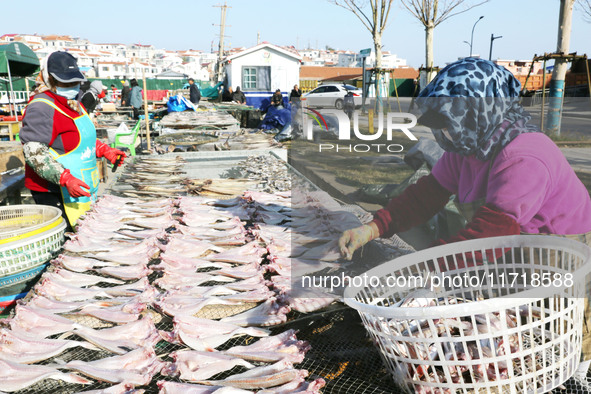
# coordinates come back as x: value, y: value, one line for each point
x: 396, y: 91
x: 543, y: 97
x: 11, y: 99
x: 588, y: 78
x: 531, y: 67
x: 557, y: 84
x: 147, y: 119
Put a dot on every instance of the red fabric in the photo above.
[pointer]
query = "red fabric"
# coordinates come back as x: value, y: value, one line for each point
x: 63, y: 128
x: 487, y: 222
x: 417, y: 204
x: 156, y: 95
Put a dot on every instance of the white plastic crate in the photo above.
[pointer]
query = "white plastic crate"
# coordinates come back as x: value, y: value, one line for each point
x: 492, y: 336
x: 31, y: 251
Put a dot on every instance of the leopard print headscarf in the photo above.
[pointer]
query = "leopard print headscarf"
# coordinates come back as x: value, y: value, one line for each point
x: 472, y: 107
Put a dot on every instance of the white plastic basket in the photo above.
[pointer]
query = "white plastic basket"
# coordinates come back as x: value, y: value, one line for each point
x: 31, y: 251
x: 19, y: 220
x: 485, y: 335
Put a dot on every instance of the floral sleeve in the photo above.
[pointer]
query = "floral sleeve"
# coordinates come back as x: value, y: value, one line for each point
x: 38, y: 157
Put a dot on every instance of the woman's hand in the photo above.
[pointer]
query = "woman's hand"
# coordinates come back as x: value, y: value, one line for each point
x: 353, y: 239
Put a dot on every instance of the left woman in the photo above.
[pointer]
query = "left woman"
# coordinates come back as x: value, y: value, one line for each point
x: 59, y: 141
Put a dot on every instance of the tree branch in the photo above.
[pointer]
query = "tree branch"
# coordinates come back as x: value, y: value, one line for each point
x: 385, y: 14
x: 415, y: 9
x: 585, y: 7
x: 352, y: 6
x: 447, y: 12
x: 427, y: 10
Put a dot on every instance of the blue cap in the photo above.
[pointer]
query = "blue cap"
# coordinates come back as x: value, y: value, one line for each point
x: 64, y: 67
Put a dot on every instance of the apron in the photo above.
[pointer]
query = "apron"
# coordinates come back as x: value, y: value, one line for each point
x: 81, y: 162
x: 468, y: 209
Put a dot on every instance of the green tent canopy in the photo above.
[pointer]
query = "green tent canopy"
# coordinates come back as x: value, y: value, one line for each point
x: 17, y: 59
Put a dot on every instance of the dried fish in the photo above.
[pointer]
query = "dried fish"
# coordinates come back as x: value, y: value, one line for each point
x: 204, y: 334
x: 77, y: 279
x: 23, y: 349
x: 123, y: 338
x: 167, y: 387
x: 269, y: 171
x: 136, y: 367
x: 284, y: 346
x: 14, y: 376
x: 297, y: 386
x: 38, y: 323
x: 195, y: 366
x: 277, y: 374
x: 121, y: 388
x: 269, y: 313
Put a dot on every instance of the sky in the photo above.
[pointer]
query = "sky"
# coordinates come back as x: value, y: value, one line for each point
x: 527, y: 27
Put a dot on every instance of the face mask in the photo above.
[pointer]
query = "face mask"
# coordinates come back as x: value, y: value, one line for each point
x: 69, y: 93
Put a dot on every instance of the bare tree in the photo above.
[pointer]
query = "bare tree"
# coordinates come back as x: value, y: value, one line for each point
x: 431, y: 13
x: 585, y: 7
x: 375, y: 21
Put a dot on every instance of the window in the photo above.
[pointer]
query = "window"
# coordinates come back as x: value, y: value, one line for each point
x: 331, y: 89
x: 249, y: 78
x: 321, y: 89
x: 256, y: 78
x: 105, y: 68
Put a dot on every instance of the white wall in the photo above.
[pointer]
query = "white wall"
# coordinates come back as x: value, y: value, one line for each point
x: 285, y: 70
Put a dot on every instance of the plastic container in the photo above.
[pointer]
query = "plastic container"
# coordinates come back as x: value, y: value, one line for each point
x: 18, y: 222
x: 31, y: 250
x: 508, y: 331
x: 15, y: 287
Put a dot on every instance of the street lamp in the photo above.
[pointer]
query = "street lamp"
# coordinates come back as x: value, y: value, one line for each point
x: 472, y: 36
x: 466, y: 42
x: 492, y: 38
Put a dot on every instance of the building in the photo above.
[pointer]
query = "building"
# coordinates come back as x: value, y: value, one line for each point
x: 262, y: 69
x: 312, y: 76
x: 348, y: 59
x: 32, y: 41
x: 520, y: 67
x: 112, y: 70
x: 56, y: 42
x: 389, y: 60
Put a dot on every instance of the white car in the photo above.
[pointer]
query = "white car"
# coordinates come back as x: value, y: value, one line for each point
x: 332, y: 95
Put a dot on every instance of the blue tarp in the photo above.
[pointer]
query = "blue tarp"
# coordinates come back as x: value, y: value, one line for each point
x: 179, y: 104
x: 276, y: 118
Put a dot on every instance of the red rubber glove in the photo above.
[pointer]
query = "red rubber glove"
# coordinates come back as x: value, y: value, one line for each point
x: 73, y: 185
x: 111, y: 154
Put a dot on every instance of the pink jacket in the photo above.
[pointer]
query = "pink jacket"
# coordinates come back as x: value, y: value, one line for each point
x: 530, y: 181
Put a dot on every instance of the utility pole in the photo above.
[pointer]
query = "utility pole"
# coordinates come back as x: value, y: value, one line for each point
x: 223, y: 7
x: 492, y: 39
x: 560, y: 65
x: 258, y: 37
